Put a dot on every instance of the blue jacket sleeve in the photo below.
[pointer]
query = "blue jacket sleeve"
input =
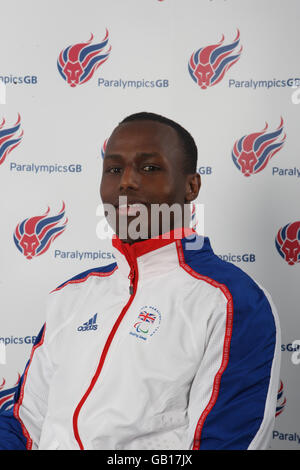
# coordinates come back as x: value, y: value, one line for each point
x: 233, y: 396
x: 11, y: 434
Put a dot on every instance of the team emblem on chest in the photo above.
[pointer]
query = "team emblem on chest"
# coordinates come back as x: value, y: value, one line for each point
x: 146, y: 323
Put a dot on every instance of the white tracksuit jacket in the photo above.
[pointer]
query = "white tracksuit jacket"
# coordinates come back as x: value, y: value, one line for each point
x: 168, y: 348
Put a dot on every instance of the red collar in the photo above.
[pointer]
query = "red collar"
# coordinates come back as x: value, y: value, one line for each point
x: 145, y: 246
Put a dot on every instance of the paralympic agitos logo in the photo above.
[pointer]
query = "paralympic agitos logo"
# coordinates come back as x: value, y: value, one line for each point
x: 251, y: 153
x: 209, y: 64
x: 77, y: 63
x: 33, y: 236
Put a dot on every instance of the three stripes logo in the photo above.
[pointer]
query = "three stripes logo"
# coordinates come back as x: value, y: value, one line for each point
x: 89, y: 325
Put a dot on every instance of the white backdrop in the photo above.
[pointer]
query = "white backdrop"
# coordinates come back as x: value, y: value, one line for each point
x: 151, y: 41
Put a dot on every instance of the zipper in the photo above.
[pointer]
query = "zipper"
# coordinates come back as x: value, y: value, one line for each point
x: 133, y: 277
x: 133, y: 269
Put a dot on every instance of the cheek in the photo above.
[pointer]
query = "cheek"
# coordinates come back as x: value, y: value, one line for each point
x: 164, y: 191
x: 174, y: 191
x: 106, y: 189
x: 161, y: 191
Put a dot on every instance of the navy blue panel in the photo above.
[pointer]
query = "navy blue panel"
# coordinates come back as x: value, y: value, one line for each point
x: 11, y: 435
x: 238, y: 412
x: 102, y: 269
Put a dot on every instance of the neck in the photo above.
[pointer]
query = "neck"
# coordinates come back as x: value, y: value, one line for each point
x: 159, y: 240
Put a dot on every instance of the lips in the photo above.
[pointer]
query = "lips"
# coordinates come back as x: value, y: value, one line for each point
x: 130, y: 209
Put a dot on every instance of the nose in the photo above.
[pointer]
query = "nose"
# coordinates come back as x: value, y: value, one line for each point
x: 129, y: 179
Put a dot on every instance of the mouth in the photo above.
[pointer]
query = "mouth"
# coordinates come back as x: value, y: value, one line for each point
x: 131, y: 209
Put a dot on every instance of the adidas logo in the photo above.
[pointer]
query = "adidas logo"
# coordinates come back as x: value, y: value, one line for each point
x: 89, y: 325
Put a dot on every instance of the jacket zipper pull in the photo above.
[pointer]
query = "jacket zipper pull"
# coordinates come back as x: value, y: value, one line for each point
x: 131, y: 276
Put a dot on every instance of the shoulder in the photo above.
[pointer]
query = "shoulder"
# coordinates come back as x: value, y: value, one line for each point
x: 64, y: 301
x: 84, y: 277
x: 251, y: 322
x: 243, y: 291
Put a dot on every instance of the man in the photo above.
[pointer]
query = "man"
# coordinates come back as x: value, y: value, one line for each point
x: 168, y: 348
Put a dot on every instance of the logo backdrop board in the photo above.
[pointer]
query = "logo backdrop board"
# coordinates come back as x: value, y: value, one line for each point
x: 225, y: 70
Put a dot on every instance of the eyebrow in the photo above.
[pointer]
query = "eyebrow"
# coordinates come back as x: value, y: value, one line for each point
x: 138, y: 155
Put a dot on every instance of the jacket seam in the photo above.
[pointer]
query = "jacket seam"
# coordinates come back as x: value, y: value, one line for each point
x: 16, y: 409
x: 226, y: 344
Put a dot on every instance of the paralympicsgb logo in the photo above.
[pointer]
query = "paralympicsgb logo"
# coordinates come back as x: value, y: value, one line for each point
x: 103, y: 148
x: 34, y: 235
x: 7, y: 395
x: 251, y: 153
x: 77, y: 63
x: 281, y: 400
x: 208, y: 65
x: 9, y: 139
x: 288, y: 242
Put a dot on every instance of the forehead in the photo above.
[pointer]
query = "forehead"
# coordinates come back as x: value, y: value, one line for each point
x: 144, y: 136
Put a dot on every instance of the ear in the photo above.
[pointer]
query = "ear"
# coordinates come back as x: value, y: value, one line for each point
x: 192, y: 187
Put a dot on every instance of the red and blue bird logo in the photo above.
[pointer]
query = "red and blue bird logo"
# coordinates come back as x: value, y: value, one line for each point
x: 103, y: 148
x: 251, y: 153
x: 288, y: 242
x: 208, y: 65
x: 281, y: 400
x: 77, y: 63
x: 9, y: 138
x: 7, y: 395
x: 34, y: 235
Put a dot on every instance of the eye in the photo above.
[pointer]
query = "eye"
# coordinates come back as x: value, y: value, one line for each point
x: 113, y: 170
x: 149, y: 168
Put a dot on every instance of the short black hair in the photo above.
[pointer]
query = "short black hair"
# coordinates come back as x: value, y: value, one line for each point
x: 188, y: 143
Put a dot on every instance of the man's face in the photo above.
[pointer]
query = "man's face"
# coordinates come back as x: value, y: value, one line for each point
x: 144, y: 162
